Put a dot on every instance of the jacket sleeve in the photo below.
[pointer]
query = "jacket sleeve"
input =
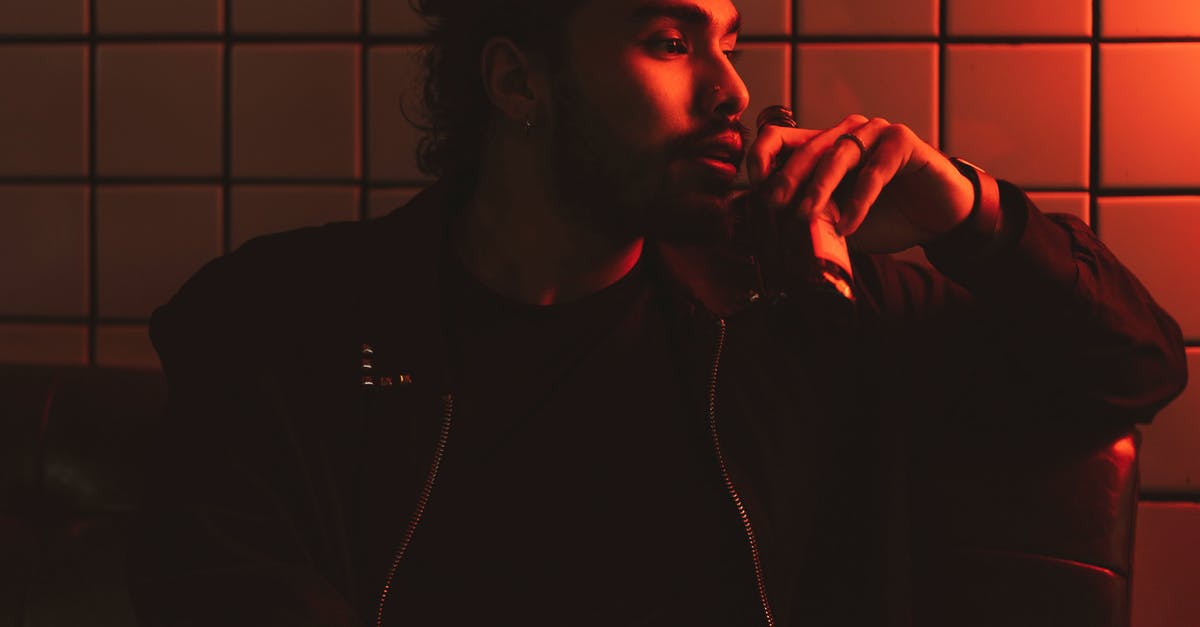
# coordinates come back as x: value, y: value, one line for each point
x: 1049, y: 313
x: 223, y: 537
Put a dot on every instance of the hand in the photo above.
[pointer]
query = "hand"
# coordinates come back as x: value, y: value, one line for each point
x: 900, y: 194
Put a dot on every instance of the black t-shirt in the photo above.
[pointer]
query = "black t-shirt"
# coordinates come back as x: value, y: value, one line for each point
x: 578, y: 486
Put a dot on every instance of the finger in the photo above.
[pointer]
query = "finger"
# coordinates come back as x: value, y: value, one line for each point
x: 835, y: 164
x: 771, y: 142
x: 888, y: 156
x: 787, y: 179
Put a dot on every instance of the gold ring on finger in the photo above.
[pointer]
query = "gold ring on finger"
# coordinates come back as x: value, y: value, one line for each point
x: 775, y: 115
x: 862, y: 148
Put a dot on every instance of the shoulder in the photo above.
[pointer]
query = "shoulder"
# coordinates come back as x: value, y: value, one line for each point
x: 283, y: 285
x: 270, y: 269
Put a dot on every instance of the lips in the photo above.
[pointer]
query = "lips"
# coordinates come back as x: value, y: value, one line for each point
x: 725, y: 148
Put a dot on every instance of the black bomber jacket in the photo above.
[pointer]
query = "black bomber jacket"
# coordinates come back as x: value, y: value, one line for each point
x: 309, y: 403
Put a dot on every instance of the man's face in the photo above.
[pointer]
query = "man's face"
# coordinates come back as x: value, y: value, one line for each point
x: 646, y: 126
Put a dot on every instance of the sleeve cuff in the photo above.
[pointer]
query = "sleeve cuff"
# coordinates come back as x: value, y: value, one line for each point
x: 984, y: 230
x: 1022, y: 251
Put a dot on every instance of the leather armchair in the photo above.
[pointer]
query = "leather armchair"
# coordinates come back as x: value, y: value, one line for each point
x: 1009, y: 527
x: 1029, y: 527
x: 70, y: 445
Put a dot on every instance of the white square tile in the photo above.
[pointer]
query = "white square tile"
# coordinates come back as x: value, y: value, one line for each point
x: 1020, y: 112
x: 394, y: 87
x: 382, y: 201
x: 43, y: 17
x: 893, y: 81
x: 1166, y: 565
x: 156, y: 16
x: 1149, y: 18
x: 125, y: 346
x: 1072, y: 203
x: 390, y: 17
x: 765, y: 17
x: 1149, y: 127
x: 149, y: 241
x: 43, y: 250
x: 159, y: 110
x: 295, y: 110
x: 1019, y: 17
x: 766, y: 71
x: 866, y: 17
x: 261, y: 209
x: 1170, y: 444
x: 43, y: 344
x: 43, y: 109
x: 299, y: 16
x: 1156, y: 238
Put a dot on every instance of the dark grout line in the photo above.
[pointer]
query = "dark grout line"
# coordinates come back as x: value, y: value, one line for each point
x: 940, y: 100
x: 226, y: 36
x: 364, y: 106
x: 178, y: 180
x: 1129, y: 192
x: 1115, y: 192
x: 92, y: 201
x: 226, y: 126
x: 1094, y: 122
x: 48, y: 320
x: 1164, y: 496
x: 793, y: 93
x: 74, y: 321
x: 371, y: 39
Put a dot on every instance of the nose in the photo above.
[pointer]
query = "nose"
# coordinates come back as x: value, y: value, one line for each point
x: 728, y: 96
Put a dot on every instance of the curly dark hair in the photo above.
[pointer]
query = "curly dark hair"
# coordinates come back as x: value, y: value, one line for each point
x: 457, y: 111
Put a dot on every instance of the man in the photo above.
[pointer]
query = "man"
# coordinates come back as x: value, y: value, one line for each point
x: 577, y: 382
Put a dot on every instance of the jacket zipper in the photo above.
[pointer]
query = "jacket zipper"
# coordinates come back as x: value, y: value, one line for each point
x: 440, y: 450
x: 422, y: 501
x: 729, y: 486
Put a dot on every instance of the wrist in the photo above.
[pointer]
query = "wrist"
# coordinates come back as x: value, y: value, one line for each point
x: 978, y: 233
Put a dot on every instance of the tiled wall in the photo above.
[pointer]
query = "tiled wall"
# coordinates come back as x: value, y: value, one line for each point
x: 139, y: 138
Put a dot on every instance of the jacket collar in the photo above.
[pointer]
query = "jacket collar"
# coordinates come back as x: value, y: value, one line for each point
x: 719, y: 280
x: 715, y: 278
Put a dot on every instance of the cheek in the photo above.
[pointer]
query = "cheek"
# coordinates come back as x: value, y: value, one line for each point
x: 667, y: 96
x: 649, y: 103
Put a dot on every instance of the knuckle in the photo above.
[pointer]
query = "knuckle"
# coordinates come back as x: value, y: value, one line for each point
x: 765, y: 133
x: 871, y: 175
x: 855, y: 118
x: 878, y: 122
x: 785, y: 181
x: 847, y: 149
x: 809, y: 151
x: 900, y: 131
x: 820, y: 187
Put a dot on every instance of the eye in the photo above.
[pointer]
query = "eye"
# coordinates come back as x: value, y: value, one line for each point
x: 670, y: 46
x: 732, y: 55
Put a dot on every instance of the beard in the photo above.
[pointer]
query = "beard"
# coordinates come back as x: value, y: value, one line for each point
x: 626, y: 191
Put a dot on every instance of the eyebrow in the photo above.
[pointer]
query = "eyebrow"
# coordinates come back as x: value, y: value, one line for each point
x: 690, y: 14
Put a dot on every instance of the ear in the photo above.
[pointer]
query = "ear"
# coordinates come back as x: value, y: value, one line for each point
x: 511, y: 81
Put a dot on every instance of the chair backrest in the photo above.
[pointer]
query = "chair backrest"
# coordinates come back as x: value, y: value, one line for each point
x: 1024, y: 527
x: 71, y: 444
x: 1010, y: 527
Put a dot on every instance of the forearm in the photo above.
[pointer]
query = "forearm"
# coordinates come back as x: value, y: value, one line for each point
x: 1070, y: 306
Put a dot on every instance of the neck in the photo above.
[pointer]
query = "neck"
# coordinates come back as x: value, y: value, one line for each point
x: 515, y: 237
